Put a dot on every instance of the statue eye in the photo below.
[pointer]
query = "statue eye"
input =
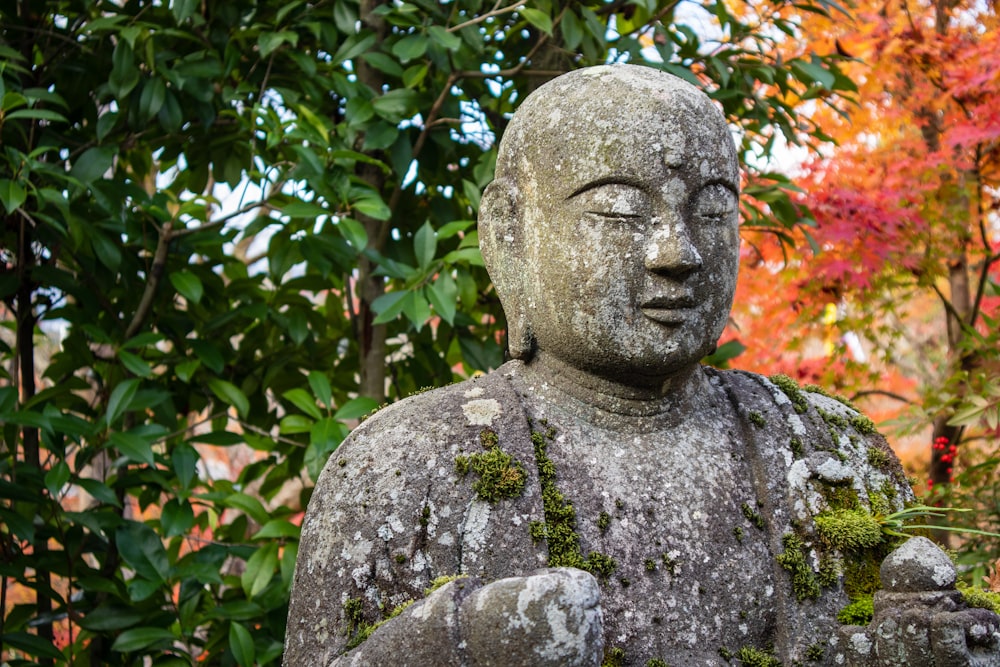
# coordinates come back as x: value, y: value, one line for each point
x: 714, y: 203
x: 615, y: 201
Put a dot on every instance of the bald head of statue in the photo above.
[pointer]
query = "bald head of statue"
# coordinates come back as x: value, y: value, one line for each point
x: 611, y: 229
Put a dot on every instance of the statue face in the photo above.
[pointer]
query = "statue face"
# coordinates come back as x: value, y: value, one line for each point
x: 631, y: 238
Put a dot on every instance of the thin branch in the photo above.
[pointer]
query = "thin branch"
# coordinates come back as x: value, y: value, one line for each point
x: 152, y: 281
x: 882, y: 392
x: 489, y: 14
x: 212, y: 224
x: 948, y: 305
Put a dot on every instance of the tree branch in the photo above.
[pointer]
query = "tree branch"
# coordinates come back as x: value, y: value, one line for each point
x: 152, y: 281
x: 493, y: 12
x: 882, y: 392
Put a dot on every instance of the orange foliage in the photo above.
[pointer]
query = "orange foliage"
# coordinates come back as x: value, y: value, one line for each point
x: 907, y: 200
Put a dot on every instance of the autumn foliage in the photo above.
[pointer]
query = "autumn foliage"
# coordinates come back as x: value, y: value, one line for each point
x: 893, y: 295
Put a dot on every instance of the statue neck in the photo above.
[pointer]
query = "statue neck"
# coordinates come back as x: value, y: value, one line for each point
x: 611, y: 396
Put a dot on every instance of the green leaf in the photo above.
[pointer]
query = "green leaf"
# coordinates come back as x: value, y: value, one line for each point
x: 249, y: 506
x: 353, y: 232
x: 260, y: 570
x: 320, y: 386
x: 229, y: 393
x: 443, y: 295
x: 187, y: 285
x: 448, y: 40
x: 353, y: 47
x: 537, y: 18
x: 396, y: 105
x: 133, y: 446
x: 813, y: 72
x: 110, y: 616
x: 356, y: 408
x: 154, y: 91
x: 36, y: 114
x: 472, y: 192
x: 410, y: 47
x: 176, y: 517
x: 184, y: 460
x: 277, y: 528
x: 388, y: 306
x: 305, y: 402
x: 304, y: 209
x: 135, y: 364
x: 327, y: 434
x: 295, y: 424
x: 141, y: 549
x: 99, y: 490
x: 92, y: 164
x: 12, y: 194
x: 186, y: 370
x: 120, y: 399
x: 56, y: 478
x: 373, y: 207
x: 424, y: 245
x: 33, y: 645
x: 416, y: 309
x: 241, y: 644
x: 269, y: 42
x: 138, y: 639
x: 345, y: 15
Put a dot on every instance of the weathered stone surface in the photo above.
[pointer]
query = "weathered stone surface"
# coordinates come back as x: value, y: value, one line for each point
x: 918, y: 565
x: 689, y: 493
x: 920, y: 619
x: 551, y: 618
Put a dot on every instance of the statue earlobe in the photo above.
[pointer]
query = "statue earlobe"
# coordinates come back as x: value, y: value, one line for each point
x: 501, y: 241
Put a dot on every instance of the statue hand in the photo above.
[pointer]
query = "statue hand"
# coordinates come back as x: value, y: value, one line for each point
x: 550, y: 617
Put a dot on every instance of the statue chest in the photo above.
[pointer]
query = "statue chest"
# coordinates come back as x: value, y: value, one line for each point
x: 668, y: 520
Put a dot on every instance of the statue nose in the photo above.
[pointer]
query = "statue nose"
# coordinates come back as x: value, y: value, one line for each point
x: 669, y: 249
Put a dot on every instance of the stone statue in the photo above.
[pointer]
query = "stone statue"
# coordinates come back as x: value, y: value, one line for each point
x: 602, y: 497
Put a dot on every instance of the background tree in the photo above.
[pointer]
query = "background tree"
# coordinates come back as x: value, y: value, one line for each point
x: 909, y: 271
x: 230, y: 229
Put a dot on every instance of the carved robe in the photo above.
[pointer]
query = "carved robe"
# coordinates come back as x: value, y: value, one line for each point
x: 697, y: 523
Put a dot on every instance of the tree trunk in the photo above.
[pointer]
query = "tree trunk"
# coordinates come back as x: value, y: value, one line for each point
x: 371, y: 337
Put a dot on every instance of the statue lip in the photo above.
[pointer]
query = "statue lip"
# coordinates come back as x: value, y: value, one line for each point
x: 668, y: 309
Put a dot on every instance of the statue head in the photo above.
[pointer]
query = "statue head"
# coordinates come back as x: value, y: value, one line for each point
x: 611, y: 229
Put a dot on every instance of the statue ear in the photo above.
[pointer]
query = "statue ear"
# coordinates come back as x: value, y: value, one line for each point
x: 502, y: 244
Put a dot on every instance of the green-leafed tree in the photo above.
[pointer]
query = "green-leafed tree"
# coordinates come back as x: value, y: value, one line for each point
x: 244, y: 224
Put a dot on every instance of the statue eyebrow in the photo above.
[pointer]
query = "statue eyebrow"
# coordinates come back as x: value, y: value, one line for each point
x: 608, y: 180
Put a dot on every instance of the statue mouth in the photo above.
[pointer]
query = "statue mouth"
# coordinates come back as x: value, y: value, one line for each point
x: 669, y: 309
x: 668, y: 315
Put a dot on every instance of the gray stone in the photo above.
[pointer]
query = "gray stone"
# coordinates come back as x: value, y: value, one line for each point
x: 918, y: 565
x: 688, y: 493
x: 920, y: 619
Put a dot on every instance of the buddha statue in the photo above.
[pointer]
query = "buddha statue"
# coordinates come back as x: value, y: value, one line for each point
x: 603, y: 497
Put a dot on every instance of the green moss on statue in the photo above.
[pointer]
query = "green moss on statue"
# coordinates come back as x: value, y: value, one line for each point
x: 793, y: 558
x: 559, y: 529
x: 751, y: 656
x: 849, y: 529
x: 500, y: 475
x: 791, y: 389
x: 859, y: 612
